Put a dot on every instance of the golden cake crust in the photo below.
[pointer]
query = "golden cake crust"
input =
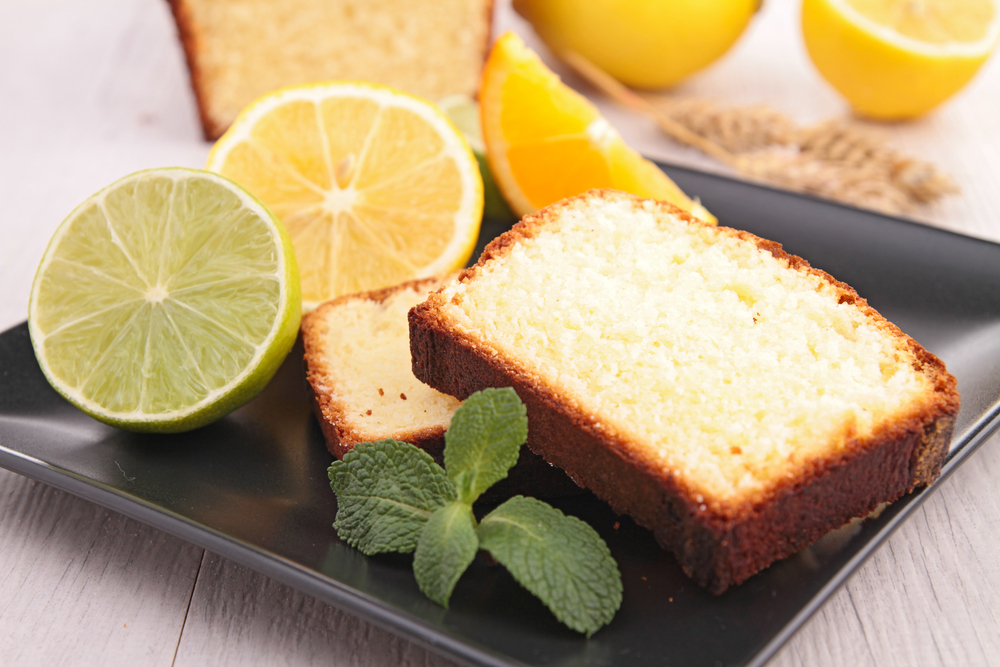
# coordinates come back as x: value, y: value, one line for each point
x: 189, y: 39
x: 717, y: 544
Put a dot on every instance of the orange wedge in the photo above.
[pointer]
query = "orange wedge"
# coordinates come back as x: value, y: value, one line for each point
x: 545, y: 141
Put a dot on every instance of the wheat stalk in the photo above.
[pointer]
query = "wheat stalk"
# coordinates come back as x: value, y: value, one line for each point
x: 834, y: 159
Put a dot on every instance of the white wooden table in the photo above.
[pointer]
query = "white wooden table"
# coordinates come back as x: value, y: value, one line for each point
x: 91, y: 91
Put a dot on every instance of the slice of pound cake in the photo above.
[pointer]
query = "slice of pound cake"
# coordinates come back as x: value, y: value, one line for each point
x: 237, y: 50
x: 732, y: 399
x: 357, y: 359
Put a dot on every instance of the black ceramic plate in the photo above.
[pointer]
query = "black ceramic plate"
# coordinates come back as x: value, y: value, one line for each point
x: 253, y: 487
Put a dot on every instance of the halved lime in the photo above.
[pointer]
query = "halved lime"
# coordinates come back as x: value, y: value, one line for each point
x: 165, y: 301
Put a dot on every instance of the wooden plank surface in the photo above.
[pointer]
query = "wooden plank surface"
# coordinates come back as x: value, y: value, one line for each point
x: 81, y: 584
x: 92, y: 91
x: 239, y: 617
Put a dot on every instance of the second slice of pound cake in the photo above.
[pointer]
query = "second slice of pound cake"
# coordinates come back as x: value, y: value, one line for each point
x: 357, y: 359
x: 237, y: 50
x: 726, y: 395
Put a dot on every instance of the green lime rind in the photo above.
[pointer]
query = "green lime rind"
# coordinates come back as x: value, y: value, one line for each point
x: 157, y: 336
x: 494, y: 205
x: 464, y: 113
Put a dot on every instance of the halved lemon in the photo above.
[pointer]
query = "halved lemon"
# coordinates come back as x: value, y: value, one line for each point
x: 374, y: 185
x: 897, y: 59
x: 545, y: 141
x: 165, y: 301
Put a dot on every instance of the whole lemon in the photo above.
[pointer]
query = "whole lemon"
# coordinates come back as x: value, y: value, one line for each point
x: 642, y: 43
x: 898, y: 59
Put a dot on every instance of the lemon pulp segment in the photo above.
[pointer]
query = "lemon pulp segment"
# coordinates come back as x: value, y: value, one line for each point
x: 375, y: 187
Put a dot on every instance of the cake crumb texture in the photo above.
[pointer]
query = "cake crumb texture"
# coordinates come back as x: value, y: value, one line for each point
x: 358, y: 364
x: 727, y: 395
x: 732, y: 371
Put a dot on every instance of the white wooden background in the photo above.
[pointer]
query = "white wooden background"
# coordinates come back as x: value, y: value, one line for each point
x: 91, y: 91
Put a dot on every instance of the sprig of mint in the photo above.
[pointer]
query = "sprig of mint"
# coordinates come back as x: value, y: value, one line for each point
x: 392, y: 496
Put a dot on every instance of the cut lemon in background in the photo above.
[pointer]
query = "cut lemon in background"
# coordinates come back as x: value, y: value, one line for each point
x: 165, y: 301
x: 545, y: 141
x: 375, y: 186
x: 897, y: 59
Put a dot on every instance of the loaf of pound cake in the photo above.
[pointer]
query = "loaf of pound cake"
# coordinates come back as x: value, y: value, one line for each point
x: 723, y: 393
x: 357, y: 358
x: 237, y: 50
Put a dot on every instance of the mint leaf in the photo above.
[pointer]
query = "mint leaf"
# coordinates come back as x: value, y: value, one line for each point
x: 447, y: 545
x: 393, y: 497
x: 558, y: 558
x: 386, y: 491
x: 484, y: 440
